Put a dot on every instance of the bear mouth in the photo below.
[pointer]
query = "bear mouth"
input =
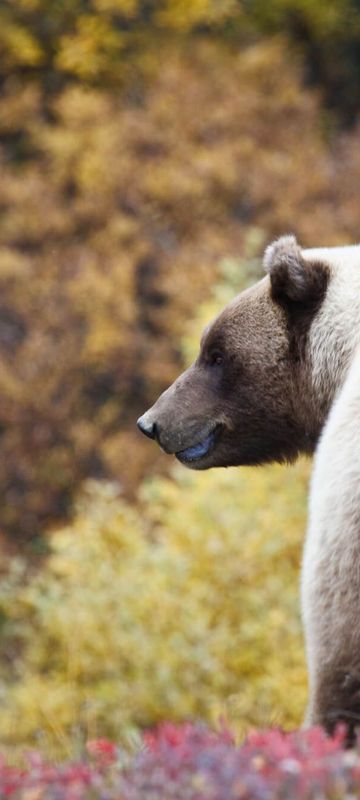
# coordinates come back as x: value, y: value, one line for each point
x: 201, y: 449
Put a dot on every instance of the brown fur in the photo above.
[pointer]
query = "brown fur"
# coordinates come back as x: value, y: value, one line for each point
x: 299, y: 286
x: 256, y: 399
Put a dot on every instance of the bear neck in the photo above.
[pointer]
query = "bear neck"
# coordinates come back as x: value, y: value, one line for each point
x: 334, y: 334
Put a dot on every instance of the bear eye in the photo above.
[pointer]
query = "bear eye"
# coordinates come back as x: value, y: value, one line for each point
x: 216, y: 358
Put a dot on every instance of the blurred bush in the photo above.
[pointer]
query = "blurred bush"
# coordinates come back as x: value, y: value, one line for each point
x: 115, y: 210
x: 327, y: 35
x: 117, y: 42
x: 148, y: 153
x: 185, y: 607
x: 196, y: 763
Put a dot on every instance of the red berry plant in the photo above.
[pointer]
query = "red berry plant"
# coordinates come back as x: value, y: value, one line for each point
x: 191, y: 762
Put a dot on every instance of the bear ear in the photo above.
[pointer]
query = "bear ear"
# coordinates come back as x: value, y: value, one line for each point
x: 294, y: 279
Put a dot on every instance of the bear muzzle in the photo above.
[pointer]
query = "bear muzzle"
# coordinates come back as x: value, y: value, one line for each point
x: 184, y: 420
x: 188, y: 440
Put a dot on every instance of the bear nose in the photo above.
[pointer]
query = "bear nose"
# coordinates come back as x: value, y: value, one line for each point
x: 146, y: 427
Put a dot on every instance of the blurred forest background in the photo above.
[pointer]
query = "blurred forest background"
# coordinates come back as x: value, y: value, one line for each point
x: 149, y: 151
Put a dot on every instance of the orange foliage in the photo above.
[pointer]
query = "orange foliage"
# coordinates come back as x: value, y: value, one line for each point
x: 116, y: 208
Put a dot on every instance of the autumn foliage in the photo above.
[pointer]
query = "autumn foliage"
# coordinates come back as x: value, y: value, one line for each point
x: 186, y: 607
x: 117, y: 206
x: 194, y: 763
x: 148, y: 153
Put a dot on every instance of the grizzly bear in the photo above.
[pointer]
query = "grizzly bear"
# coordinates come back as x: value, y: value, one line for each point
x: 278, y: 374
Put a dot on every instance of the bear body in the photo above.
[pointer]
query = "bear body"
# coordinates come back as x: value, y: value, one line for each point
x: 278, y: 374
x: 330, y: 585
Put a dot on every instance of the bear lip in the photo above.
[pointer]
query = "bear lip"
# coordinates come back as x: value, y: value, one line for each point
x: 200, y: 449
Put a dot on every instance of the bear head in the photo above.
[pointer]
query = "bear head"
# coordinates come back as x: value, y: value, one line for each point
x: 254, y: 395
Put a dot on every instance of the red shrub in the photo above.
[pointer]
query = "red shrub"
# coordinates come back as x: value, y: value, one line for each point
x: 190, y: 762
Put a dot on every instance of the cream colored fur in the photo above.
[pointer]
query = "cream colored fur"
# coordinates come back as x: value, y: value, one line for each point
x: 331, y: 564
x: 330, y: 395
x: 335, y: 332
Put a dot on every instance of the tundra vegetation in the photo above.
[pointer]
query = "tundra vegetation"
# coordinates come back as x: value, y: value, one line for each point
x: 148, y: 153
